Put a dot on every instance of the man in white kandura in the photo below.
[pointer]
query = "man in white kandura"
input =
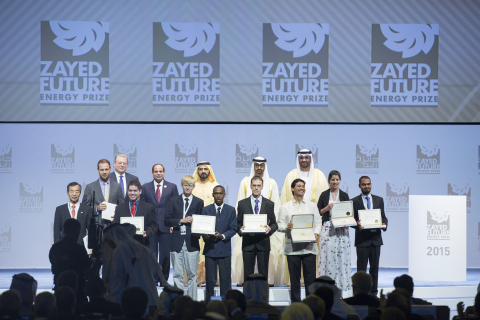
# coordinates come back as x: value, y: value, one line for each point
x: 270, y: 191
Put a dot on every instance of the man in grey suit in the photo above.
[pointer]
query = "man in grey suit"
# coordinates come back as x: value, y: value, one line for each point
x: 106, y: 190
x: 123, y: 178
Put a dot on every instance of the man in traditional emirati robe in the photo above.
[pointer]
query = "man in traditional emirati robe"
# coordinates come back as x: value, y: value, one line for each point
x: 204, y: 184
x: 315, y: 184
x: 270, y: 192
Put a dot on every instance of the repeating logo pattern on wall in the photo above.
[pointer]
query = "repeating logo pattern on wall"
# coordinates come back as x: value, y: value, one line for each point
x: 186, y: 158
x: 344, y: 187
x: 367, y: 158
x: 130, y: 150
x: 186, y: 63
x: 314, y: 150
x: 428, y: 159
x: 74, y: 62
x: 5, y: 237
x: 295, y: 64
x: 31, y: 197
x: 397, y: 197
x: 479, y: 237
x: 6, y: 158
x: 478, y: 159
x: 438, y: 225
x: 225, y: 200
x: 62, y: 158
x: 404, y: 65
x: 461, y: 190
x: 244, y: 155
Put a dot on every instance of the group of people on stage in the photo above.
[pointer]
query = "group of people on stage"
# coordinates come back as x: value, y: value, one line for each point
x: 168, y: 220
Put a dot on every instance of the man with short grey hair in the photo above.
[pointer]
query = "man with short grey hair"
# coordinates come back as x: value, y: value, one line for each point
x: 361, y: 285
x: 123, y: 178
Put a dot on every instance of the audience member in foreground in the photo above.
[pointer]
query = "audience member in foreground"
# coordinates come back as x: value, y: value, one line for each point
x: 179, y: 307
x: 167, y: 299
x: 339, y: 307
x: 26, y: 285
x: 406, y: 282
x: 69, y: 279
x: 215, y: 308
x: 326, y: 294
x: 317, y: 306
x: 393, y: 313
x: 362, y: 285
x: 194, y: 310
x: 476, y: 308
x: 65, y: 298
x: 134, y: 303
x: 10, y: 302
x: 297, y: 311
x: 256, y: 293
x: 238, y: 297
x: 45, y: 305
x: 95, y: 290
x: 399, y: 298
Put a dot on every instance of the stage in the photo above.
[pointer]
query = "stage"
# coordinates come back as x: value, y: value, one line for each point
x: 437, y: 292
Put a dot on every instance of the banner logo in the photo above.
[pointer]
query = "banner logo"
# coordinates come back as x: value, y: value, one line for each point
x: 74, y: 67
x: 244, y: 155
x: 31, y: 197
x: 397, y: 197
x: 5, y: 237
x: 404, y: 65
x: 62, y: 158
x: 461, y: 190
x: 186, y: 158
x: 367, y: 159
x: 428, y: 160
x: 130, y: 151
x: 314, y: 150
x: 295, y: 64
x: 186, y: 63
x: 6, y: 158
x: 438, y: 226
x: 478, y: 159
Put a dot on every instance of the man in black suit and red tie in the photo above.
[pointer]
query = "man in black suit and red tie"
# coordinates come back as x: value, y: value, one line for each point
x: 134, y: 207
x: 256, y: 245
x: 158, y: 193
x: 72, y: 209
x: 368, y: 241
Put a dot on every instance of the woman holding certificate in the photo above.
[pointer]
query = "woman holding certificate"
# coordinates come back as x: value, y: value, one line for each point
x: 334, y: 260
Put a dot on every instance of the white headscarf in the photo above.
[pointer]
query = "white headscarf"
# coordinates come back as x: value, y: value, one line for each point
x: 306, y: 176
x: 339, y: 306
x: 266, y: 178
x: 256, y: 288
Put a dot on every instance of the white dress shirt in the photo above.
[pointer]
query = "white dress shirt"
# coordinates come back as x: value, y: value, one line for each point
x: 216, y: 210
x: 252, y: 199
x: 156, y: 186
x: 77, y: 208
x: 364, y: 198
x: 124, y: 178
x: 286, y: 211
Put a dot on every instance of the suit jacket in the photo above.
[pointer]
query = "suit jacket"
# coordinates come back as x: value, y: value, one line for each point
x: 149, y: 195
x: 259, y: 240
x: 172, y: 219
x: 323, y: 202
x: 115, y: 193
x: 128, y: 177
x: 363, y: 299
x: 368, y: 237
x: 62, y: 213
x: 144, y: 209
x: 225, y: 224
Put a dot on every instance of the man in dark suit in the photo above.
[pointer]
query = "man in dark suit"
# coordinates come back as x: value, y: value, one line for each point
x: 158, y: 193
x: 123, y: 178
x: 256, y: 245
x: 106, y: 191
x: 134, y: 207
x: 361, y: 285
x: 217, y: 248
x: 368, y: 241
x: 184, y: 247
x: 74, y: 210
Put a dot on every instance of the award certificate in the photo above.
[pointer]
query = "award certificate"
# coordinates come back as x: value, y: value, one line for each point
x: 303, y: 235
x: 254, y: 223
x: 370, y: 219
x: 342, y: 214
x: 108, y: 213
x: 203, y: 224
x: 301, y: 221
x: 136, y: 221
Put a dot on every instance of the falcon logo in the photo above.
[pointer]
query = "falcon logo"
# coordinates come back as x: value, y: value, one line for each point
x: 244, y: 154
x: 428, y: 159
x: 6, y: 158
x: 31, y: 197
x: 62, y: 158
x: 461, y: 190
x: 438, y: 225
x: 397, y: 197
x: 367, y: 158
x: 191, y: 38
x: 79, y: 36
x: 300, y: 38
x: 5, y: 237
x: 186, y: 157
x: 409, y: 39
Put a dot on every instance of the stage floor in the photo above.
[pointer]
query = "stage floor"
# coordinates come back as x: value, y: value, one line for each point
x: 437, y: 292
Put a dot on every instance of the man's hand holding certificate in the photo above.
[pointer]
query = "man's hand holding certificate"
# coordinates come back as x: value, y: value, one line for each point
x: 302, y: 228
x: 370, y: 219
x: 342, y: 214
x: 203, y: 224
x: 254, y: 223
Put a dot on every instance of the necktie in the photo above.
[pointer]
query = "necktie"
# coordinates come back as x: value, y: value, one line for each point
x: 132, y: 210
x: 368, y: 203
x: 256, y: 206
x: 73, y: 211
x: 159, y: 195
x: 106, y: 192
x: 186, y: 207
x: 121, y: 183
x: 218, y: 210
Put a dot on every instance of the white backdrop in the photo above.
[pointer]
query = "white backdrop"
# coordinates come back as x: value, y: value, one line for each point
x: 32, y: 187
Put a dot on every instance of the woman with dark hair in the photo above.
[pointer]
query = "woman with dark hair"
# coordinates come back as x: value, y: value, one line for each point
x: 334, y: 260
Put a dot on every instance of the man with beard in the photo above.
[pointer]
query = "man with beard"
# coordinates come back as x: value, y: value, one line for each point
x: 270, y: 191
x: 204, y: 183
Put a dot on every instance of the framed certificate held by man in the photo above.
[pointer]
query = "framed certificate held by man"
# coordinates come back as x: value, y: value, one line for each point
x: 136, y: 221
x: 254, y: 223
x: 302, y: 228
x: 370, y: 219
x: 203, y: 224
x: 342, y: 214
